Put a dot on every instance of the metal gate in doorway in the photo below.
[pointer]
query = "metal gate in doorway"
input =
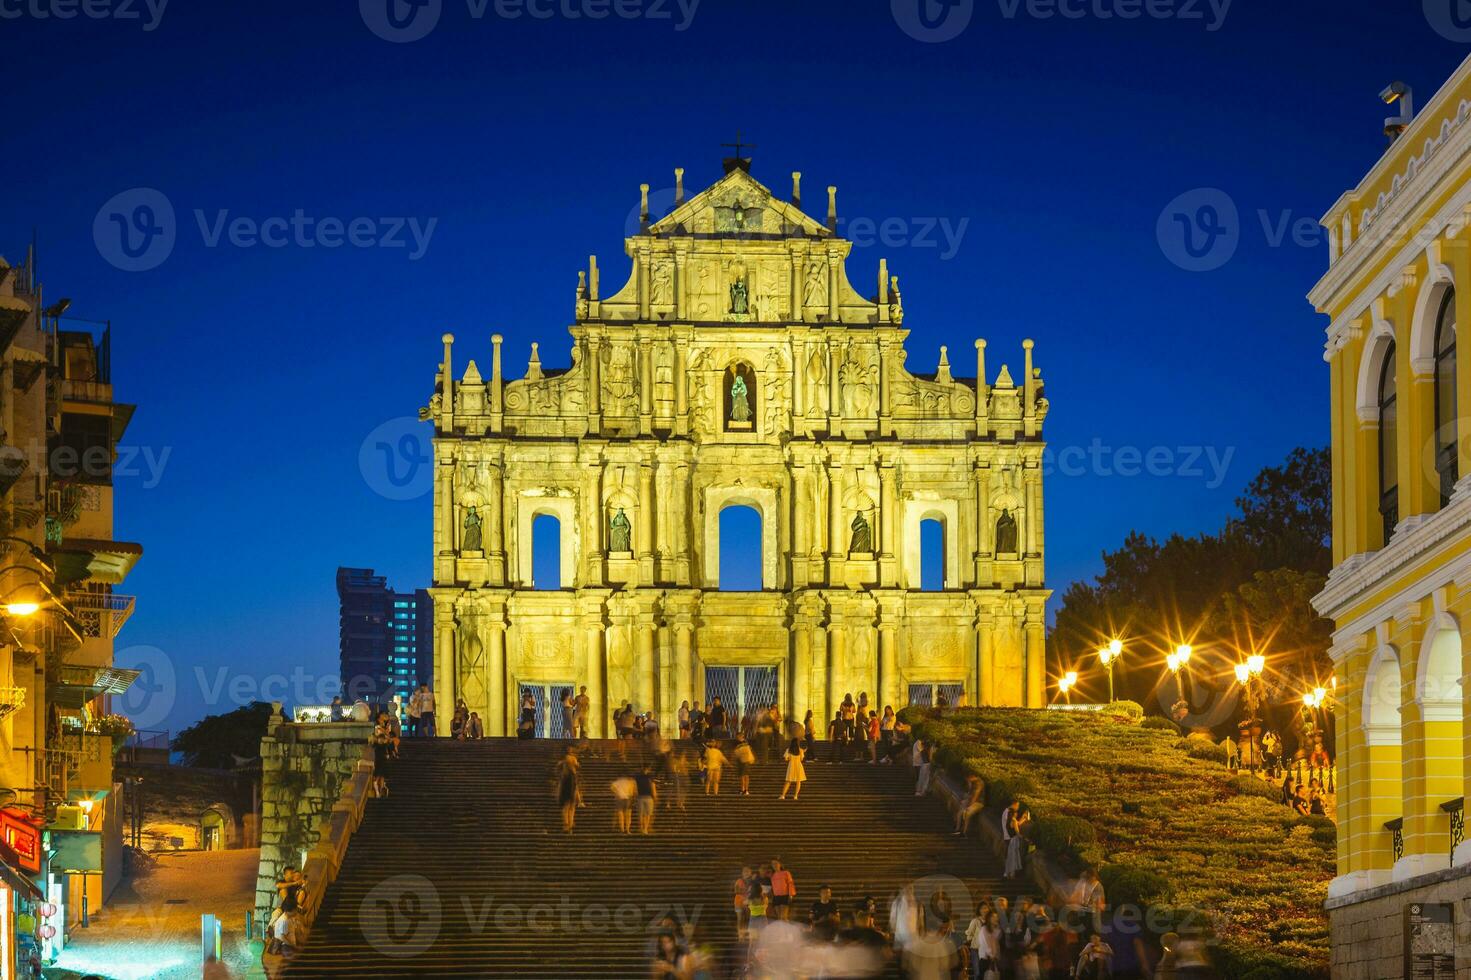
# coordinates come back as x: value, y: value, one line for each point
x: 743, y: 690
x: 928, y: 695
x: 548, y: 698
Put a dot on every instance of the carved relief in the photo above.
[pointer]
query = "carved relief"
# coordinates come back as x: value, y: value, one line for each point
x: 859, y: 378
x: 814, y: 290
x: 661, y: 290
x: 620, y: 383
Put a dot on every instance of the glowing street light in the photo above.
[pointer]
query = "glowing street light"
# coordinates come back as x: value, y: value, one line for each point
x: 22, y: 608
x: 1109, y: 655
x: 1182, y: 653
x: 1066, y: 684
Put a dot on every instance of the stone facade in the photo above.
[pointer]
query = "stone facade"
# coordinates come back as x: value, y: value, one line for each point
x: 1368, y: 927
x: 306, y: 772
x: 737, y: 366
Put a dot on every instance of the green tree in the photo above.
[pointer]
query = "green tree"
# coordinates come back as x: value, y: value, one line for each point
x: 1287, y: 513
x: 217, y: 741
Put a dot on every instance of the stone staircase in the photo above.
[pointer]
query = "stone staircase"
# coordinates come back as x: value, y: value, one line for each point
x: 463, y: 870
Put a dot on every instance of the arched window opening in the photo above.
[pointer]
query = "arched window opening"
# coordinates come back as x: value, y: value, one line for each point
x: 1388, y: 445
x: 740, y: 549
x: 546, y: 552
x: 1446, y: 465
x: 931, y: 555
x: 739, y: 388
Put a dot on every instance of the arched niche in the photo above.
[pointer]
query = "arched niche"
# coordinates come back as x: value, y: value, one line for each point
x: 747, y: 375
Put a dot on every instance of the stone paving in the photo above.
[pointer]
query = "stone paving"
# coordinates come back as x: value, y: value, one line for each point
x: 150, y: 927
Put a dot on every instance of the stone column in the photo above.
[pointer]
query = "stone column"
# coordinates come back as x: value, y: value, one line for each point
x: 1035, y: 638
x: 888, y: 518
x: 645, y: 665
x: 592, y: 500
x: 446, y: 668
x: 888, y: 687
x: 834, y: 265
x: 645, y: 385
x: 644, y: 546
x: 1033, y: 496
x: 801, y: 671
x: 495, y: 525
x: 885, y: 361
x: 983, y: 521
x: 444, y: 512
x: 497, y: 384
x: 818, y: 694
x: 641, y: 266
x: 836, y: 646
x: 593, y: 670
x: 679, y: 518
x: 836, y: 551
x: 835, y: 392
x: 985, y: 658
x: 681, y: 388
x: 495, y: 724
x: 594, y: 386
x: 684, y: 663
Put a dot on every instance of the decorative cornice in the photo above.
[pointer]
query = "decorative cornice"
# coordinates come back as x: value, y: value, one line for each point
x: 1361, y: 575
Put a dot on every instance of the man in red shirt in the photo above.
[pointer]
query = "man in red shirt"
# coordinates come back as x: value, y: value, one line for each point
x: 783, y: 888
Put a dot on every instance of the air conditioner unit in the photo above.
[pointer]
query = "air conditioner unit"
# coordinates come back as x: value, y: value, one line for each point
x: 69, y: 818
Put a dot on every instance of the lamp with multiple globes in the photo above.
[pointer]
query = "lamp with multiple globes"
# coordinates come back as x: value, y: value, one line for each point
x: 1108, y: 656
x: 1066, y: 683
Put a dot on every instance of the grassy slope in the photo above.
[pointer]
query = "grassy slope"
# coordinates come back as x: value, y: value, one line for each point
x: 1252, y: 865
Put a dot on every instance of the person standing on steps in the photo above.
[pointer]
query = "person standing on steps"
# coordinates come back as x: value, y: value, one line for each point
x: 625, y: 791
x: 526, y: 728
x: 581, y: 705
x: 569, y: 779
x: 796, y: 773
x: 381, y: 739
x: 426, y: 712
x: 922, y: 783
x: 744, y: 758
x: 684, y: 719
x: 741, y: 900
x: 569, y: 712
x: 415, y: 709
x: 809, y: 733
x: 837, y: 734
x: 717, y: 718
x: 648, y: 795
x: 783, y: 888
x: 714, y: 762
x: 886, y: 733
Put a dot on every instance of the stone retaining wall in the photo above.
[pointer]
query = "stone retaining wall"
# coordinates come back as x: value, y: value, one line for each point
x: 315, y: 781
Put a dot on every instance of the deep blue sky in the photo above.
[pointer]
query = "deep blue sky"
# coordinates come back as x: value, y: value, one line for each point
x: 1059, y: 142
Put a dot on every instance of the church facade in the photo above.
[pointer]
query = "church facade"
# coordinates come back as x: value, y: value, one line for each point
x: 736, y: 366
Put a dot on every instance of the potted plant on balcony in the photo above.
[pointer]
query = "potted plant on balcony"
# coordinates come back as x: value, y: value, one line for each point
x: 117, y: 726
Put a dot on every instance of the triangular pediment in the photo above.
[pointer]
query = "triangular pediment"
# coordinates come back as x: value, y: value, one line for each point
x: 738, y: 205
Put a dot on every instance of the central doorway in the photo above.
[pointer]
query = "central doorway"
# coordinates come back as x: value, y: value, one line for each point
x: 548, y: 697
x: 743, y: 690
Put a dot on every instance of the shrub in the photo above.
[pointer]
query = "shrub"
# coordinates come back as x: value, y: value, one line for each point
x: 1200, y: 748
x: 1067, y: 839
x: 1001, y: 790
x: 1161, y: 722
x: 1128, y: 709
x: 1128, y: 884
x: 1252, y: 786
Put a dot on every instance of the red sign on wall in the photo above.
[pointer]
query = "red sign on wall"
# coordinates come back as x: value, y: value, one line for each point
x: 24, y: 838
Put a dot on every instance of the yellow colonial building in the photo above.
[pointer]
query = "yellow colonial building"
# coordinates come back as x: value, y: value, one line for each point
x: 737, y: 366
x: 1398, y: 292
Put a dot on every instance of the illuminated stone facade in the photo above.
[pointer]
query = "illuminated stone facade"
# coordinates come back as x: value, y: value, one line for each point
x: 737, y: 366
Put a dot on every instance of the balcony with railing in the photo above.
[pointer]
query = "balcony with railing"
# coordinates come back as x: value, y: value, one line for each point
x: 102, y: 614
x: 79, y: 765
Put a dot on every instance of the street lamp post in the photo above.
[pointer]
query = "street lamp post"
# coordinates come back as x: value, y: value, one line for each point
x: 1249, y: 675
x: 1109, y: 655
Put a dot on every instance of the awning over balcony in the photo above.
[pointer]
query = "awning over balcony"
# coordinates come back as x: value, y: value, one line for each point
x: 79, y: 685
x: 102, y: 561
